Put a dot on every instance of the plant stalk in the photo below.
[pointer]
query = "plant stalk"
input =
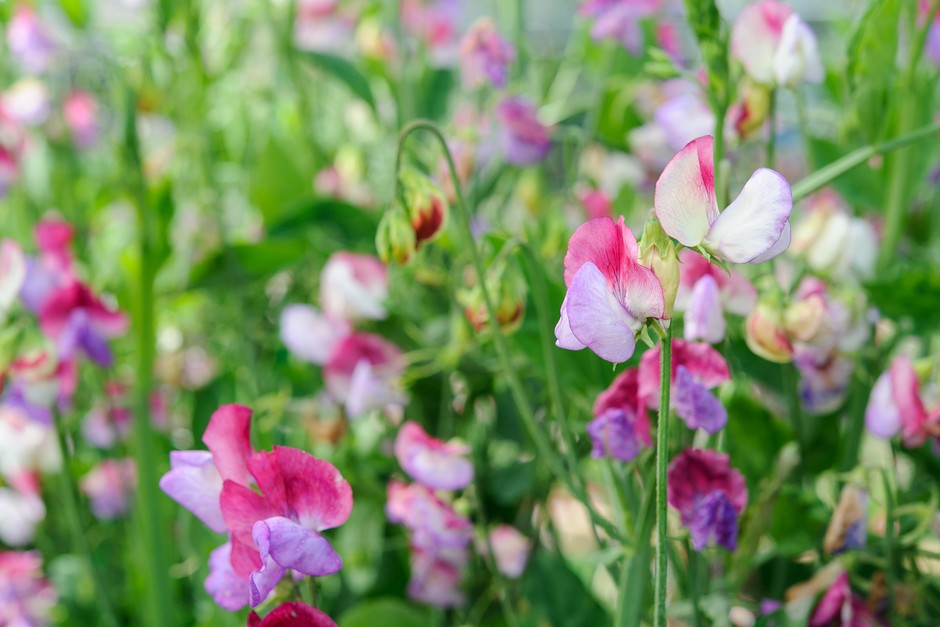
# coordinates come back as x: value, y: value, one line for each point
x: 662, y: 462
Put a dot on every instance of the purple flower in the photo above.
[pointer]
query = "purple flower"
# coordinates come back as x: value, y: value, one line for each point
x: 109, y: 486
x: 705, y: 318
x: 696, y: 405
x: 709, y: 495
x: 485, y: 55
x: 29, y: 41
x: 26, y: 596
x: 524, y: 140
x: 614, y: 434
x: 432, y: 462
x: 223, y: 584
x: 619, y: 20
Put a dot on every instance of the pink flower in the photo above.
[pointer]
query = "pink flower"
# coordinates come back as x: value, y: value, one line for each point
x: 775, y: 45
x: 279, y: 529
x: 596, y: 203
x: 109, y: 486
x: 319, y: 26
x: 354, y: 287
x: 435, y: 24
x: 436, y: 575
x: 485, y: 55
x: 511, y: 550
x: 524, y: 140
x: 364, y: 371
x: 75, y: 318
x: 754, y: 228
x: 432, y: 462
x: 709, y: 495
x: 26, y: 596
x: 292, y: 614
x: 27, y: 102
x: 706, y: 293
x: 21, y: 511
x: 29, y: 42
x: 309, y: 335
x: 895, y: 405
x: 610, y: 295
x: 619, y: 20
x: 839, y: 605
x: 621, y: 427
x: 81, y: 116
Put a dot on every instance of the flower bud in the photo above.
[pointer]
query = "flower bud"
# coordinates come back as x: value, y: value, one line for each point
x: 658, y: 253
x: 803, y: 319
x: 426, y: 204
x: 395, y: 237
x: 508, y: 290
x: 766, y: 335
x: 751, y: 112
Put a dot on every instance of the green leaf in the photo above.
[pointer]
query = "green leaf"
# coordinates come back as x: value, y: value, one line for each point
x: 248, y: 261
x: 559, y: 595
x: 388, y: 612
x: 344, y: 71
x: 276, y: 182
x: 872, y: 54
x: 911, y: 292
x: 344, y: 221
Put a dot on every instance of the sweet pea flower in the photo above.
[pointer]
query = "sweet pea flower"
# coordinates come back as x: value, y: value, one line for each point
x: 610, y: 295
x: 26, y: 596
x: 709, y: 495
x: 436, y: 576
x: 21, y: 511
x: 109, y: 420
x: 364, y: 373
x: 320, y: 26
x: 38, y: 380
x: 775, y: 46
x: 754, y: 228
x: 895, y: 406
x: 291, y: 614
x: 26, y: 445
x: 354, y: 287
x: 81, y: 115
x: 435, y: 24
x: 696, y: 369
x: 839, y: 605
x: 706, y: 293
x: 76, y: 319
x: 226, y: 588
x: 523, y: 139
x: 29, y: 41
x: 279, y: 529
x: 824, y: 379
x: 195, y: 478
x: 833, y: 242
x: 108, y: 487
x: 619, y: 20
x: 12, y: 273
x: 309, y: 334
x: 510, y: 549
x: 621, y: 428
x: 684, y: 117
x: 485, y: 55
x: 27, y: 101
x: 431, y: 462
x: 848, y: 527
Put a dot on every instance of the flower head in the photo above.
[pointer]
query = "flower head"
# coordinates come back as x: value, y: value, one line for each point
x: 895, y: 405
x: 310, y: 335
x: 29, y: 41
x: 485, y: 55
x: 619, y: 20
x: 292, y: 614
x: 610, y: 295
x: 354, y: 287
x: 775, y: 46
x: 524, y: 140
x: 709, y: 495
x: 26, y: 596
x: 109, y: 487
x: 81, y: 114
x: 621, y: 427
x: 754, y: 228
x: 432, y: 462
x: 510, y: 548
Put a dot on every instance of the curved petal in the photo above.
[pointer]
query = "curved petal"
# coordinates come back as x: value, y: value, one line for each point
x: 196, y: 486
x: 755, y: 36
x: 754, y: 222
x: 705, y: 319
x: 882, y: 417
x: 599, y: 241
x: 316, y: 490
x: 597, y: 320
x: 262, y: 582
x: 224, y: 586
x: 696, y: 405
x: 242, y: 507
x: 564, y: 338
x: 293, y: 546
x: 906, y: 392
x: 430, y: 461
x: 782, y: 243
x: 642, y: 293
x: 228, y: 437
x: 685, y: 200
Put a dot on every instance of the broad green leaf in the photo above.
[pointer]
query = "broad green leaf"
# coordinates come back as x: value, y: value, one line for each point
x: 912, y: 292
x: 248, y: 261
x: 346, y: 222
x: 344, y: 71
x: 277, y: 181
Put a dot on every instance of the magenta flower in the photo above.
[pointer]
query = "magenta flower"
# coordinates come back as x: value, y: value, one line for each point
x: 895, y: 406
x: 485, y: 55
x: 696, y: 369
x: 279, y: 529
x: 81, y: 115
x: 754, y: 228
x: 292, y: 614
x: 27, y: 598
x: 621, y: 428
x: 432, y: 462
x: 364, y: 373
x: 76, y: 319
x: 840, y: 602
x: 619, y: 20
x: 29, y: 41
x: 775, y: 45
x: 109, y: 486
x: 354, y: 287
x: 523, y: 139
x: 610, y: 295
x: 709, y: 495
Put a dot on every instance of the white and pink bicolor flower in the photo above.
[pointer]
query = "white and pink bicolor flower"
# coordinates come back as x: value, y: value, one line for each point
x: 775, y: 46
x: 354, y: 287
x: 431, y: 462
x: 610, y: 294
x: 754, y: 228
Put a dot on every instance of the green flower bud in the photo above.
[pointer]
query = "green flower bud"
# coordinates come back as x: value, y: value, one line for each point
x: 395, y: 238
x: 426, y: 204
x: 658, y: 253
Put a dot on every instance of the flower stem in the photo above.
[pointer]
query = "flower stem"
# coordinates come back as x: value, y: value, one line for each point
x: 159, y: 608
x: 772, y: 130
x: 68, y: 500
x: 542, y: 443
x: 662, y: 461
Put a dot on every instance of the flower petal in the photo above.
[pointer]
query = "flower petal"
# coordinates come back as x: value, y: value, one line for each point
x: 783, y: 242
x: 597, y: 320
x: 696, y: 405
x: 430, y: 461
x: 194, y: 482
x: 228, y: 437
x: 310, y: 335
x: 227, y: 589
x: 755, y: 36
x: 755, y: 221
x: 600, y: 241
x: 705, y: 319
x: 564, y: 338
x: 906, y: 391
x: 316, y: 490
x: 882, y: 417
x: 242, y: 507
x: 685, y: 200
x: 296, y: 547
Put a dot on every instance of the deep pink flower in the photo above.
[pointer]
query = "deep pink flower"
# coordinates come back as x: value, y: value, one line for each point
x: 524, y: 140
x: 75, y: 318
x: 621, y: 427
x: 840, y: 606
x: 709, y: 495
x: 485, y: 55
x: 292, y: 614
x: 754, y: 228
x: 895, y: 405
x: 279, y: 529
x: 610, y: 295
x: 354, y: 287
x: 26, y: 596
x: 619, y: 20
x: 109, y: 487
x: 596, y: 203
x: 432, y: 462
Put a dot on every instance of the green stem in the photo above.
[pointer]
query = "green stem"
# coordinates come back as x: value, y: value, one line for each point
x: 526, y: 413
x: 662, y: 461
x: 825, y: 175
x: 889, y: 537
x: 772, y: 130
x: 721, y: 186
x: 159, y: 609
x: 68, y: 500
